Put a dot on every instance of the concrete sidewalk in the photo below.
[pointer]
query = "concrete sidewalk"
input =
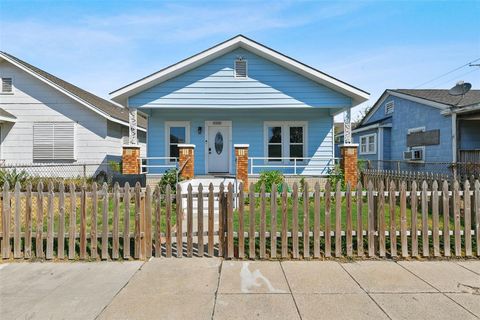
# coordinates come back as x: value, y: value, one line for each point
x: 204, y: 288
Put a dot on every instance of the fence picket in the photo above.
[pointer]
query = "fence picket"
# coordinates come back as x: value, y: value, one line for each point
x: 17, y: 251
x: 137, y: 230
x: 251, y: 225
x: 83, y: 222
x: 295, y: 222
x: 446, y: 219
x: 425, y: 239
x: 189, y: 221
x: 72, y: 222
x: 50, y: 220
x: 456, y: 216
x: 28, y: 223
x: 371, y: 220
x: 105, y: 222
x: 158, y: 220
x: 200, y: 249
x: 148, y: 222
x: 328, y: 221
x: 210, y: 220
x: 241, y: 222
x: 168, y: 218
x: 39, y: 236
x: 403, y: 218
x: 467, y: 214
x: 393, y: 219
x: 435, y: 220
x: 6, y: 221
x: 348, y: 209
x: 273, y: 222
x: 230, y: 221
x: 306, y: 221
x: 126, y: 221
x: 316, y: 222
x: 263, y: 222
x: 360, y: 251
x: 381, y: 221
x: 284, y: 220
x: 179, y: 222
x: 477, y: 214
x: 338, y: 220
x: 221, y: 220
x: 414, y: 231
x: 115, y: 233
x: 93, y: 225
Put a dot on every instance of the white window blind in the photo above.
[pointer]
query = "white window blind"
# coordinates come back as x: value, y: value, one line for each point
x: 7, y: 85
x: 240, y: 68
x: 53, y: 141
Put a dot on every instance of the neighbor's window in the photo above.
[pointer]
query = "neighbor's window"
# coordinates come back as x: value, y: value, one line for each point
x: 296, y: 142
x: 389, y: 107
x: 240, y: 68
x: 53, y: 141
x: 368, y: 144
x: 7, y: 85
x: 275, y: 143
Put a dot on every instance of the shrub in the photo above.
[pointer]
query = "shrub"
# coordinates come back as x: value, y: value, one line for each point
x: 335, y: 175
x: 12, y: 176
x: 169, y: 178
x: 115, y: 166
x: 268, y: 178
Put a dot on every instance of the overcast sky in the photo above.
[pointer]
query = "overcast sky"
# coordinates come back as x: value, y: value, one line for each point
x: 103, y: 45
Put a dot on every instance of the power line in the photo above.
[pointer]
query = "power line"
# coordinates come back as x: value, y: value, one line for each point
x: 458, y: 77
x: 447, y: 73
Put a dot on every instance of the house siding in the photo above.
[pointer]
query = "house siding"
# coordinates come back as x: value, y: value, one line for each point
x: 213, y: 85
x: 356, y: 139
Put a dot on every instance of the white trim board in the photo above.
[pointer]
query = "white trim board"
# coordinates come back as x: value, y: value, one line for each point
x: 358, y: 96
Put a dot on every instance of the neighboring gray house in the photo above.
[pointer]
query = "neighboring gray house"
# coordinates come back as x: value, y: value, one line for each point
x: 44, y: 119
x: 420, y: 126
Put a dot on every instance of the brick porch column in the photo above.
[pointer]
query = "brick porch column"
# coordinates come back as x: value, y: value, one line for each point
x: 186, y: 160
x: 348, y: 163
x: 131, y: 159
x: 241, y: 169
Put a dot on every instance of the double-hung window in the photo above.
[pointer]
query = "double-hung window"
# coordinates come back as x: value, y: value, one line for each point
x: 285, y: 141
x: 368, y: 144
x: 53, y: 141
x: 177, y: 132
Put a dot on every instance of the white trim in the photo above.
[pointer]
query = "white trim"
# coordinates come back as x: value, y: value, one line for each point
x: 285, y: 125
x: 366, y: 136
x: 380, y: 144
x: 224, y: 123
x: 461, y: 110
x: 7, y: 119
x: 168, y: 125
x: 67, y: 93
x: 241, y: 145
x: 186, y: 145
x: 358, y: 96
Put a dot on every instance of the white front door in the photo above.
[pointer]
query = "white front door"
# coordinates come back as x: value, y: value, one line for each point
x: 218, y: 148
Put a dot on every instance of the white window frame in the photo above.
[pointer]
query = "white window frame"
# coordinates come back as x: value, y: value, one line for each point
x: 54, y: 159
x: 235, y: 69
x: 285, y: 125
x: 413, y: 130
x: 387, y: 105
x: 366, y: 137
x: 168, y: 125
x: 1, y: 85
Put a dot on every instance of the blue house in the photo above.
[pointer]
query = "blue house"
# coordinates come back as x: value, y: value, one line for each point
x: 419, y: 127
x: 241, y: 92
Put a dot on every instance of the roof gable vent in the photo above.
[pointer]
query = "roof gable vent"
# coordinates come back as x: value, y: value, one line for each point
x: 240, y: 68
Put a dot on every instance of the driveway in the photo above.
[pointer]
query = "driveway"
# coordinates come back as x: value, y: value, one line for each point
x: 204, y: 288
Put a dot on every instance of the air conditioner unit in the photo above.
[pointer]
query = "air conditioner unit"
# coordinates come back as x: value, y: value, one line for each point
x: 407, y: 155
x: 417, y: 154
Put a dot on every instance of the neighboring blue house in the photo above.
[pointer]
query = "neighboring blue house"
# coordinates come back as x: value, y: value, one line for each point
x: 420, y: 126
x: 241, y: 92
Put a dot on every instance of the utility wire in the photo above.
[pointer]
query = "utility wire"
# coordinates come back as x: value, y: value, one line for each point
x: 447, y: 73
x: 458, y: 77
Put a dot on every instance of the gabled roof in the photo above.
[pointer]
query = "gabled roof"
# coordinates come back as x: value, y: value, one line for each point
x: 357, y: 95
x: 437, y: 98
x: 107, y: 109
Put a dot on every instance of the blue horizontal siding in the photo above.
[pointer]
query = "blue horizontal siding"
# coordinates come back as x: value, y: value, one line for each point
x: 213, y: 85
x: 247, y: 128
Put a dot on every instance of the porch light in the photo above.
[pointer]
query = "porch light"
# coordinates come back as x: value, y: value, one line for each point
x: 199, y: 130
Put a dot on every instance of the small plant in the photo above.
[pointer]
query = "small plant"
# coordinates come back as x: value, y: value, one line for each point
x: 302, y: 184
x: 169, y: 178
x: 115, y: 166
x: 12, y: 176
x: 268, y: 178
x: 335, y: 175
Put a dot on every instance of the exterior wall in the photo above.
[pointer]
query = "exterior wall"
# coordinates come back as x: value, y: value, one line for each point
x: 245, y: 130
x: 356, y: 139
x: 213, y: 85
x: 95, y: 138
x: 469, y: 134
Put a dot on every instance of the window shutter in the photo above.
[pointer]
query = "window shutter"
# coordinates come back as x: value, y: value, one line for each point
x: 53, y: 141
x: 7, y: 85
x: 240, y: 68
x: 43, y: 139
x: 64, y: 141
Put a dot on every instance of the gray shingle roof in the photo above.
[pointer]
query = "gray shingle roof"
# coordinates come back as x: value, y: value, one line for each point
x: 442, y: 96
x: 104, y: 105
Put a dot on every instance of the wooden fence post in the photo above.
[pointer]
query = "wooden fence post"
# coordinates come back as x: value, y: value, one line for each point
x: 435, y: 219
x: 251, y: 226
x: 126, y: 221
x: 116, y: 230
x: 284, y: 220
x: 241, y: 222
x: 17, y: 251
x: 316, y: 222
x: 338, y: 220
x: 83, y: 222
x: 93, y: 225
x: 72, y: 222
x: 446, y: 218
x: 6, y: 221
x: 328, y: 221
x: 295, y: 222
x: 425, y: 238
x: 456, y: 215
x: 39, y: 229
x: 168, y: 218
x: 273, y: 221
x: 105, y: 222
x: 28, y: 223
x: 263, y: 222
x: 189, y: 221
x: 158, y: 218
x: 200, y: 221
x: 50, y: 220
x: 467, y: 214
x: 359, y: 195
x: 230, y: 221
x: 371, y: 220
x: 211, y: 226
x: 393, y: 219
x: 148, y: 223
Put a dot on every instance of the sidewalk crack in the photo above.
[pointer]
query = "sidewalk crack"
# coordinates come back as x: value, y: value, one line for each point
x: 218, y: 286
x: 290, y: 289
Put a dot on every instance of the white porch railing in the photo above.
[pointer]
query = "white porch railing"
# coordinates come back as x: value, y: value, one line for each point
x: 316, y: 165
x: 147, y: 163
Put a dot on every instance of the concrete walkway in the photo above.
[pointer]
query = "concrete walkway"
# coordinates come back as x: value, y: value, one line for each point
x: 203, y: 288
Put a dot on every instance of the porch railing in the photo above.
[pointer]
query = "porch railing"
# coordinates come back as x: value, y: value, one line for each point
x: 147, y: 163
x: 315, y: 165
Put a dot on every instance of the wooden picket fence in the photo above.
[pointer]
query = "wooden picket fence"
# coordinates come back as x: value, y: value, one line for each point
x: 254, y: 225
